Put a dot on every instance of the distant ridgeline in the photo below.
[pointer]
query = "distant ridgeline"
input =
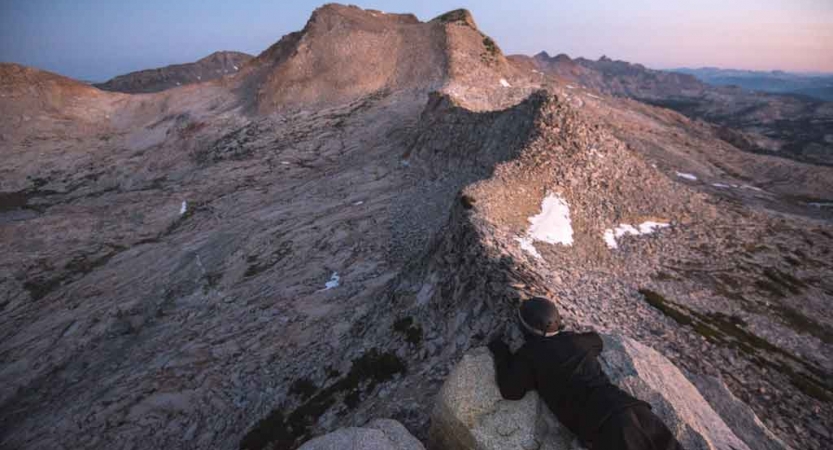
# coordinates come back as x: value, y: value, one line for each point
x: 777, y: 82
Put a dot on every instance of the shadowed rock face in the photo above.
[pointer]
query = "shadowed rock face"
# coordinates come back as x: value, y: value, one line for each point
x: 255, y: 261
x: 212, y: 67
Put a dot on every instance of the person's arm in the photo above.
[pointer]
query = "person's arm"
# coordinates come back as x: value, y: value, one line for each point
x: 515, y: 374
x: 591, y: 343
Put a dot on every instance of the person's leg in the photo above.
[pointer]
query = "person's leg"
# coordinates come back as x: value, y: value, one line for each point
x: 622, y: 431
x: 660, y: 436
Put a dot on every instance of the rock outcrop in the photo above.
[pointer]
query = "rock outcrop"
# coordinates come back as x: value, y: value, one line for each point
x: 471, y: 414
x: 380, y: 434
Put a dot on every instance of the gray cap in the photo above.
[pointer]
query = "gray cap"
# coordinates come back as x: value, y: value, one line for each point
x: 540, y: 317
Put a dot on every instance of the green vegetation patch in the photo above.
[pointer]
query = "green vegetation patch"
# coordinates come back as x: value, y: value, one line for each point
x: 282, y: 431
x: 785, y: 280
x: 458, y: 16
x: 257, y: 267
x: 490, y: 45
x: 13, y: 200
x: 412, y: 332
x: 730, y: 331
x: 803, y: 324
x: 664, y: 306
x: 663, y: 276
x: 303, y: 387
x: 40, y: 286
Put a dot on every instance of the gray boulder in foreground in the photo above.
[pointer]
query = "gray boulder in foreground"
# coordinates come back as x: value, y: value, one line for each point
x: 380, y: 434
x: 471, y: 414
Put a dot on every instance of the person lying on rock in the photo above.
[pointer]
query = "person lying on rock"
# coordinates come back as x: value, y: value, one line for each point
x: 563, y: 367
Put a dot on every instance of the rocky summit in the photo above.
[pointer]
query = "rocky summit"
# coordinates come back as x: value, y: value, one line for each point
x: 312, y: 243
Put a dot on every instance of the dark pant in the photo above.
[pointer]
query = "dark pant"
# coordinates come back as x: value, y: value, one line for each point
x: 635, y: 428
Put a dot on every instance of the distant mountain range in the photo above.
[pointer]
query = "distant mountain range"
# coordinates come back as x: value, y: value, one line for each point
x: 791, y: 126
x: 819, y: 86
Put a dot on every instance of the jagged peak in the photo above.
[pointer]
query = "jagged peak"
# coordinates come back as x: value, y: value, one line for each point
x: 544, y: 56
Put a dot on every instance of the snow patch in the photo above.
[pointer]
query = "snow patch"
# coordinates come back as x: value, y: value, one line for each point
x: 184, y: 208
x: 236, y: 68
x: 647, y: 227
x: 687, y: 176
x: 721, y: 185
x: 553, y: 225
x: 527, y: 246
x: 570, y: 86
x: 756, y: 189
x: 504, y: 83
x: 333, y: 283
x: 594, y: 96
x: 359, y: 203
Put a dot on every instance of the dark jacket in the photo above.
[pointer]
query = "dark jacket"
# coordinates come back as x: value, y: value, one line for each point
x: 565, y: 372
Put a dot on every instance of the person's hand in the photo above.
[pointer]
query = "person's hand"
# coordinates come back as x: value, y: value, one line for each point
x: 498, y: 347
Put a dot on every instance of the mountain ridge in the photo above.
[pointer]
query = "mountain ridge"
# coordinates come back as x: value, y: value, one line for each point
x: 211, y: 67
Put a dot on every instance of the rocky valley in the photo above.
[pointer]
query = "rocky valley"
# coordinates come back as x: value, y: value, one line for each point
x: 315, y: 239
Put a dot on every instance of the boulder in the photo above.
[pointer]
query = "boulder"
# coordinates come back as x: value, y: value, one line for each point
x: 471, y: 414
x: 380, y: 434
x: 737, y: 415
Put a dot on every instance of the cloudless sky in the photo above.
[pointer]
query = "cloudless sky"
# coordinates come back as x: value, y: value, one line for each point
x: 98, y: 39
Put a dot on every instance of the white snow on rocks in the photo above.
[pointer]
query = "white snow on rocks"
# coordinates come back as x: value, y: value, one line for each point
x: 184, y: 208
x: 526, y: 245
x: 235, y: 68
x: 552, y: 225
x: 648, y: 227
x: 504, y: 83
x: 721, y: 185
x: 687, y: 176
x: 333, y: 283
